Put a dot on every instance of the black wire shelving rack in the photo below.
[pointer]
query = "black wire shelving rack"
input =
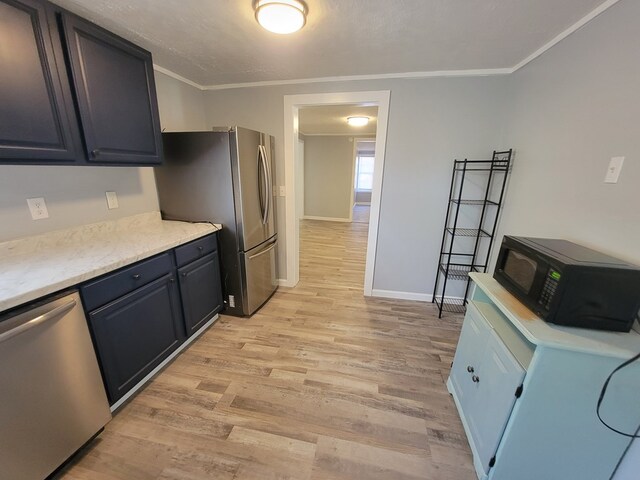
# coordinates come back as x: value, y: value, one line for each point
x: 466, y: 245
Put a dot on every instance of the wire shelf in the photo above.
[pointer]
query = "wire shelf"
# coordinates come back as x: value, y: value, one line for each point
x: 467, y: 232
x: 474, y: 202
x: 451, y: 305
x: 457, y: 271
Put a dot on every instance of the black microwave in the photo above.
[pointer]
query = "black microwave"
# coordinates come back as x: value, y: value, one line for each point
x: 568, y: 284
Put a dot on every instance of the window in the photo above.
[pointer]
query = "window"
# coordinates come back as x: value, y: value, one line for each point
x: 364, y: 173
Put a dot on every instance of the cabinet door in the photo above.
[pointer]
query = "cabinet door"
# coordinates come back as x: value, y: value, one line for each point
x: 135, y: 333
x: 116, y: 95
x: 469, y: 354
x: 201, y: 291
x: 498, y: 377
x: 37, y: 117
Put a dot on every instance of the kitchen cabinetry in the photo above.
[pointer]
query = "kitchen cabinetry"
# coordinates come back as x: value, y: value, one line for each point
x: 527, y: 391
x: 116, y: 95
x: 139, y: 327
x: 200, y: 286
x: 111, y: 79
x: 38, y: 121
x: 141, y: 314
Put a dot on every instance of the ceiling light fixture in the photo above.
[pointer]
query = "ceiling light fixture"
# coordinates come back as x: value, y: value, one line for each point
x: 357, y: 121
x: 281, y: 16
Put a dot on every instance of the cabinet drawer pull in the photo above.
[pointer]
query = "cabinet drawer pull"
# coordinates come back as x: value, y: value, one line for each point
x: 136, y: 276
x: 475, y: 379
x: 470, y: 369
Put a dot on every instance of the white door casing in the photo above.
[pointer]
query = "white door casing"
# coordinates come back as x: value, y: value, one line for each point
x: 292, y: 104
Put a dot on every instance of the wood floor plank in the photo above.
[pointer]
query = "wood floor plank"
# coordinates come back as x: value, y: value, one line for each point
x: 322, y: 383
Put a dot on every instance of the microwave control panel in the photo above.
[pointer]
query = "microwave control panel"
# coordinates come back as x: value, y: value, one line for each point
x: 549, y: 288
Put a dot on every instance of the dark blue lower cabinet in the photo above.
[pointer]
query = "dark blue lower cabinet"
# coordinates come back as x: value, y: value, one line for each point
x: 136, y: 332
x: 201, y: 292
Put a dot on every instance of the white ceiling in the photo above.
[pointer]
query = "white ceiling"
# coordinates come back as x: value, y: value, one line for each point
x: 214, y: 42
x: 332, y: 120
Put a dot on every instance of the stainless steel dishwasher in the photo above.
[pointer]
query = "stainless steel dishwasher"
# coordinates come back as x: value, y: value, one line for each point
x: 52, y: 399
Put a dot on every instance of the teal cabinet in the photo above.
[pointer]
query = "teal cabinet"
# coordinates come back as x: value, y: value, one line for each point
x: 531, y: 413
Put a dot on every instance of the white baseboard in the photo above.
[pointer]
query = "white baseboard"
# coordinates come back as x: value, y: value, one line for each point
x: 326, y: 219
x: 153, y: 372
x: 283, y: 282
x: 419, y: 297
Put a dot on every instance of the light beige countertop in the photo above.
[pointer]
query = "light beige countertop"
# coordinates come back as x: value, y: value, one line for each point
x: 35, y: 266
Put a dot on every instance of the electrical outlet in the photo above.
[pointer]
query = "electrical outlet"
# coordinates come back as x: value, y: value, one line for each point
x: 112, y: 200
x: 38, y: 208
x: 614, y: 169
x: 283, y: 191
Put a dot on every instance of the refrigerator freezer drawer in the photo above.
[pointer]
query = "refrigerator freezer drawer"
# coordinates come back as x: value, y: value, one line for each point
x: 259, y: 266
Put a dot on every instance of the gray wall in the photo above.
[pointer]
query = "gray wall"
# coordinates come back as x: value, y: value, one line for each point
x: 328, y: 168
x: 431, y: 121
x: 573, y: 109
x: 76, y: 195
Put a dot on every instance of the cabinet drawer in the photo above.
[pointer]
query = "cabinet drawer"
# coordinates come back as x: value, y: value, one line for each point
x: 114, y: 285
x: 193, y: 250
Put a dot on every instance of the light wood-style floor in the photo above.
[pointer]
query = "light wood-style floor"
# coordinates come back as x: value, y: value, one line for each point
x: 322, y: 383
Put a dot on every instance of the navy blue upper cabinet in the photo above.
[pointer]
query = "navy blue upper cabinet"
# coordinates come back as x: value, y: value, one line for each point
x: 37, y: 116
x: 116, y: 95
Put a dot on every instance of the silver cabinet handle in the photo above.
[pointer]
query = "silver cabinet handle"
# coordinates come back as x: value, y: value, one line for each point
x: 34, y: 322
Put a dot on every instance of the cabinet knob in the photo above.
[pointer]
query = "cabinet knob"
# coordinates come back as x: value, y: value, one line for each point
x: 475, y: 379
x: 200, y: 249
x: 172, y: 279
x: 184, y: 274
x: 95, y: 152
x: 136, y: 276
x: 470, y: 369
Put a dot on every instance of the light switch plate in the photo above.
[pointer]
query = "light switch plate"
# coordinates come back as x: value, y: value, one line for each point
x: 112, y: 200
x: 38, y: 208
x: 614, y: 169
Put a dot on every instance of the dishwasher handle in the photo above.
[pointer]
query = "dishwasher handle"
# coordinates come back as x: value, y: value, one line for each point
x: 40, y: 319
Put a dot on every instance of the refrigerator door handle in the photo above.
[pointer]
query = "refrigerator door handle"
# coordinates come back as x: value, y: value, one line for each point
x: 269, y: 181
x: 262, y: 252
x: 265, y: 205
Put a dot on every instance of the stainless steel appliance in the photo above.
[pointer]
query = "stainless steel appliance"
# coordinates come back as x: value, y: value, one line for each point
x: 52, y: 400
x: 227, y: 176
x: 568, y: 284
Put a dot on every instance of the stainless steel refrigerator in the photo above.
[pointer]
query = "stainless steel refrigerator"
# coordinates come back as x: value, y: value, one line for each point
x: 227, y: 176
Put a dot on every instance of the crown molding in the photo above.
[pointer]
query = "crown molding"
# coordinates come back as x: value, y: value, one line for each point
x: 405, y: 75
x: 175, y: 76
x: 579, y: 24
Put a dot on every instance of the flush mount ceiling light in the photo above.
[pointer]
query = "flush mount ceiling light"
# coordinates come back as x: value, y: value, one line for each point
x: 357, y: 121
x: 281, y: 16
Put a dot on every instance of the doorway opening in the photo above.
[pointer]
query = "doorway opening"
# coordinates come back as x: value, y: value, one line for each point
x: 293, y: 174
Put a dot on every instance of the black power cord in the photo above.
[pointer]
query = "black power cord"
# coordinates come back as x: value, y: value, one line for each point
x: 604, y: 391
